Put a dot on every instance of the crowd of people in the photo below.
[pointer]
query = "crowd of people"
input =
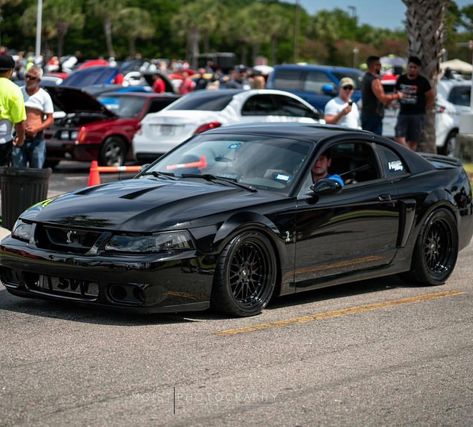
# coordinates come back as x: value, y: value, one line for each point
x: 28, y: 110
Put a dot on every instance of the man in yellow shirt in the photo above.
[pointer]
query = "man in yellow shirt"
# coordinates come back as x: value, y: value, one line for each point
x: 12, y: 111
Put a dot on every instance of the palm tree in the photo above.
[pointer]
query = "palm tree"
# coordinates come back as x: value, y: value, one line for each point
x: 108, y: 11
x: 58, y: 17
x: 197, y: 18
x: 133, y: 23
x: 425, y: 31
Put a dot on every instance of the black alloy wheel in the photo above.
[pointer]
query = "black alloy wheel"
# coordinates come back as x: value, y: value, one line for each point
x: 112, y: 152
x: 436, y: 249
x: 245, y: 276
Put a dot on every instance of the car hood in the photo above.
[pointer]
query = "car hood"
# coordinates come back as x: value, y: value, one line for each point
x: 145, y: 205
x: 72, y: 100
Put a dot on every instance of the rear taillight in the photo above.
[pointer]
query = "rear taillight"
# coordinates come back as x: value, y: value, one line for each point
x: 440, y: 108
x: 207, y: 126
x: 138, y: 128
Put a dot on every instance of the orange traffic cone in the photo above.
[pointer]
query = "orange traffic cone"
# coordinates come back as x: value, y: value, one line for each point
x: 94, y: 176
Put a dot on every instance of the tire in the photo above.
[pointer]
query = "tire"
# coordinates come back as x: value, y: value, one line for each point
x: 245, y: 275
x: 436, y: 250
x: 449, y: 149
x: 50, y: 164
x: 112, y: 152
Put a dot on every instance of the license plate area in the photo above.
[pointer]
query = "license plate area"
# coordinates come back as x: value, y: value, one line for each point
x: 65, y: 286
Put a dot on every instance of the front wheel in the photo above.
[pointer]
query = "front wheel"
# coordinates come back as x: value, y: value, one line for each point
x: 245, y: 276
x: 436, y: 249
x: 112, y: 152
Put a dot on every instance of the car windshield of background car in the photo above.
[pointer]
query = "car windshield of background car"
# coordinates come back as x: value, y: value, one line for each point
x: 205, y: 101
x: 123, y: 106
x: 262, y: 162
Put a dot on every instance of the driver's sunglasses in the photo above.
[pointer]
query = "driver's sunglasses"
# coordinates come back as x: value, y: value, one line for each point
x: 28, y: 77
x: 347, y: 88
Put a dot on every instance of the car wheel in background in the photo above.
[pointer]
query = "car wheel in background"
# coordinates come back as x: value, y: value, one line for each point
x: 50, y: 164
x: 450, y: 146
x: 436, y: 249
x: 245, y: 276
x: 112, y: 152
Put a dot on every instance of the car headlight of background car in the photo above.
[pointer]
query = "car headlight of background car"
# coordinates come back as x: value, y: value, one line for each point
x: 173, y: 241
x: 22, y: 230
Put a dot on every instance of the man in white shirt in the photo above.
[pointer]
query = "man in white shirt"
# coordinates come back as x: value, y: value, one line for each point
x: 39, y: 116
x: 342, y: 110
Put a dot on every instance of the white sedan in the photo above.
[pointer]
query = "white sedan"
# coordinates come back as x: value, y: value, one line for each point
x: 207, y: 109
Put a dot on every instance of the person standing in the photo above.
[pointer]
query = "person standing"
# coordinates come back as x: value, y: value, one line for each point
x: 373, y: 97
x: 341, y: 110
x: 418, y: 96
x: 12, y: 111
x: 39, y: 116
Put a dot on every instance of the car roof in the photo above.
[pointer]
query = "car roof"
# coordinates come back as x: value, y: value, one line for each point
x: 307, y: 131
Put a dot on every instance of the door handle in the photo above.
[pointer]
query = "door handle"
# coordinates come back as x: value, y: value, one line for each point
x: 384, y: 197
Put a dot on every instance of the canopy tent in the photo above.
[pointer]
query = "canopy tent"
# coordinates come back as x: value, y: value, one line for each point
x: 457, y: 65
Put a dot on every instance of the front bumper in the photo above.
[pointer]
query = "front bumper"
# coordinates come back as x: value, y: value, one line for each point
x: 144, y: 283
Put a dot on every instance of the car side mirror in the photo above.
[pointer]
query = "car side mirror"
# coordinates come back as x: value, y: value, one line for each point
x: 325, y: 186
x: 329, y: 89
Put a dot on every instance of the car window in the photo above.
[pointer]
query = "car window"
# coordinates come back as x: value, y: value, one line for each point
x: 315, y: 80
x: 203, y: 100
x: 259, y: 105
x: 354, y: 162
x: 159, y: 104
x: 264, y: 163
x: 288, y: 79
x: 460, y: 95
x: 393, y: 166
x: 287, y: 106
x: 123, y: 106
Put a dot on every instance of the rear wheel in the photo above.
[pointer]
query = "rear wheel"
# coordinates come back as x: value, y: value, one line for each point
x: 112, y: 152
x: 245, y: 276
x: 436, y: 249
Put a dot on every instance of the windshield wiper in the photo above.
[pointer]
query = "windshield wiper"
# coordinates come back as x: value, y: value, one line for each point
x: 157, y: 174
x: 213, y: 178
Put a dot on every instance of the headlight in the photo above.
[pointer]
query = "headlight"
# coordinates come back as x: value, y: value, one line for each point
x: 161, y: 242
x: 22, y: 230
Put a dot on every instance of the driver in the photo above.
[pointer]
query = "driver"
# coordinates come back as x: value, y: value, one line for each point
x: 320, y: 169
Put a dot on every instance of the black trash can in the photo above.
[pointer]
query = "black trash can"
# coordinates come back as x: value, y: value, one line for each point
x: 20, y: 189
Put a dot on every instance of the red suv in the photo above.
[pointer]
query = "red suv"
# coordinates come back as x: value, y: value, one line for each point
x: 89, y: 128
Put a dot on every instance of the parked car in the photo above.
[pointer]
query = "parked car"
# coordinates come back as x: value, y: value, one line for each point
x: 453, y: 100
x: 317, y: 84
x: 232, y: 217
x: 96, y: 75
x: 88, y: 130
x: 199, y: 111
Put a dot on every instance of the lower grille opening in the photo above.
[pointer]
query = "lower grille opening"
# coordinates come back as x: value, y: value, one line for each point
x: 8, y: 278
x: 126, y: 294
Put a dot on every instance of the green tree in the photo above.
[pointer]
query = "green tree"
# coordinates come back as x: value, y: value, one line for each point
x: 133, y: 23
x: 107, y: 11
x: 197, y: 18
x: 58, y: 17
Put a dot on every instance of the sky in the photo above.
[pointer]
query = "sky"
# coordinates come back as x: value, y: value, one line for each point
x: 378, y: 13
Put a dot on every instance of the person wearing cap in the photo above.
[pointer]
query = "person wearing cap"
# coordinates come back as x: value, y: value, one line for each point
x: 418, y: 96
x: 374, y: 98
x: 39, y: 116
x: 341, y: 110
x: 12, y: 111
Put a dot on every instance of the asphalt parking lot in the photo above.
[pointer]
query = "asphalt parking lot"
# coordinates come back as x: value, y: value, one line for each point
x: 369, y: 353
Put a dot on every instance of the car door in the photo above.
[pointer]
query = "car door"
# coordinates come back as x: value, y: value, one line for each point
x: 259, y: 108
x: 353, y: 229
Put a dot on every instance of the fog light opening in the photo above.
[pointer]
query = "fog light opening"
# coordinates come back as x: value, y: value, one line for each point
x: 139, y: 294
x: 118, y: 293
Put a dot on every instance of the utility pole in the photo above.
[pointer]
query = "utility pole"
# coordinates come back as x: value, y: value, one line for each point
x: 39, y: 23
x: 296, y: 31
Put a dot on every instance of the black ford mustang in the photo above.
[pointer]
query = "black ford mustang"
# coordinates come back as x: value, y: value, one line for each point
x: 232, y: 217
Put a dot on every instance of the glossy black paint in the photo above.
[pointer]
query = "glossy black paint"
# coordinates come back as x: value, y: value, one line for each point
x: 363, y: 230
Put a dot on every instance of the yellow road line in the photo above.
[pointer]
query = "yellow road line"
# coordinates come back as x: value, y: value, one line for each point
x: 338, y: 313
